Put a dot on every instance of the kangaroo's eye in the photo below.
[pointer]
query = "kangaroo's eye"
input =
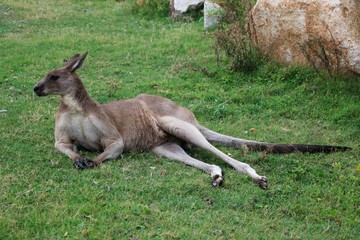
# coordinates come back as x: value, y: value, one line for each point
x: 54, y: 77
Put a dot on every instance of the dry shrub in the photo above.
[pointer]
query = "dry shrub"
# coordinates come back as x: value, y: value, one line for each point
x: 323, y: 54
x: 232, y: 37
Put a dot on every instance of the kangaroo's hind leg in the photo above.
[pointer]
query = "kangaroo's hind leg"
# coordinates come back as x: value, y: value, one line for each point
x: 190, y: 134
x: 175, y: 152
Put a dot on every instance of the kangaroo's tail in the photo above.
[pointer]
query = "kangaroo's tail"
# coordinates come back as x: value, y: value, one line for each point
x: 229, y: 141
x: 290, y: 148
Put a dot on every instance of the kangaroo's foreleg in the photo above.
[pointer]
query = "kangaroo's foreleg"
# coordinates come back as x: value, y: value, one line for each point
x: 175, y: 152
x: 190, y: 134
x: 112, y: 151
x: 70, y: 150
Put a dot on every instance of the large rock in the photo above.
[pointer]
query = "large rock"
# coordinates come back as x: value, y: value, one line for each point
x: 179, y: 7
x: 317, y: 32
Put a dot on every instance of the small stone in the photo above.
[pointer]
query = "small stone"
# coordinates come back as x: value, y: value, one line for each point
x: 212, y: 15
x: 179, y: 7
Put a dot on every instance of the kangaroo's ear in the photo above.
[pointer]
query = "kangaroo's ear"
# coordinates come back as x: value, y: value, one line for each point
x: 75, y: 62
x: 72, y: 58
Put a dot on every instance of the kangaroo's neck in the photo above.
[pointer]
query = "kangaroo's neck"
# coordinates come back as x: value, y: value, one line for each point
x: 78, y: 101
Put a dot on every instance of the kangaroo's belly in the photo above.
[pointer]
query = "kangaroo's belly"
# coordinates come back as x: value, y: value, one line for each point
x: 143, y: 136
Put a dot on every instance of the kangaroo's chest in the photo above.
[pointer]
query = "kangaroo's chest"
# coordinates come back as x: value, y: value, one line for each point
x: 83, y: 132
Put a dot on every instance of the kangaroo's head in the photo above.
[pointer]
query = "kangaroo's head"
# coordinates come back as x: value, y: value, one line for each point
x: 62, y: 81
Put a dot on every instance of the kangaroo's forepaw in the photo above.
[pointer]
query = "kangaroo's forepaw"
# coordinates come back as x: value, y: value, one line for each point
x: 83, y: 163
x: 262, y: 183
x: 217, y: 181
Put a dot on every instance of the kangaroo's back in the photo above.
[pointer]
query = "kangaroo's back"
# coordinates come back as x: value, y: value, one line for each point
x: 165, y: 107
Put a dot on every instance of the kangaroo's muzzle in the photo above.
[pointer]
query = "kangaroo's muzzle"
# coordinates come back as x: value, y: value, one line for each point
x: 39, y: 90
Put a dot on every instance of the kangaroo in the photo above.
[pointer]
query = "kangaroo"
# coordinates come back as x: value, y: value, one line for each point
x: 144, y: 123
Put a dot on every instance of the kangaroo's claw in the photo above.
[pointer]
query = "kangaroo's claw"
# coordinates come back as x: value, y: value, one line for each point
x: 83, y: 163
x: 217, y: 181
x: 262, y: 183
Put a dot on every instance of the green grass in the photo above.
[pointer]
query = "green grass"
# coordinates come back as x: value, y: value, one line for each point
x: 140, y: 195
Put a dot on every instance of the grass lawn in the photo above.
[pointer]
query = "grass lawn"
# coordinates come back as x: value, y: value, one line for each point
x: 143, y: 196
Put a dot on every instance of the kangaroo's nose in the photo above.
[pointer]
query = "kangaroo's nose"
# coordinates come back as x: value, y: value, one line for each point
x: 36, y: 88
x: 39, y: 90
